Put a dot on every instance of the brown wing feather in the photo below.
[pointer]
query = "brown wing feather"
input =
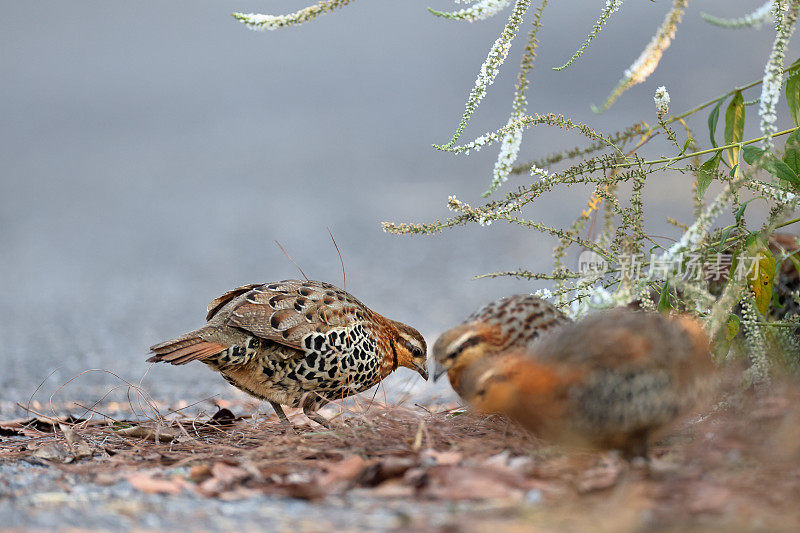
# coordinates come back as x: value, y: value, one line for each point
x: 287, y: 311
x: 219, y: 303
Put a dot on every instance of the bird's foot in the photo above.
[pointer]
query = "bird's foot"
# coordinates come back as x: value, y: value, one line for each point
x: 319, y: 419
x: 286, y: 425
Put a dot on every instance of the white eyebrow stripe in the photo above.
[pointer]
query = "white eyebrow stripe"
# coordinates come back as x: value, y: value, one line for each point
x: 461, y: 340
x: 410, y: 342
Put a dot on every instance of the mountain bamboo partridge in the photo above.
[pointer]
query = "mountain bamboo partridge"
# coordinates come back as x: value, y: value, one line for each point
x: 614, y: 380
x: 297, y: 343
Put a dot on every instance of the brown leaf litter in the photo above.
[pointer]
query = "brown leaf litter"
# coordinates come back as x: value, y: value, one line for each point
x: 738, y: 465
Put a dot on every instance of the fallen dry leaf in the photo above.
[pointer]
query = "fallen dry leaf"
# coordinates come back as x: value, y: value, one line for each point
x: 433, y: 457
x: 199, y: 473
x: 228, y: 474
x: 224, y: 478
x: 342, y: 474
x: 504, y: 459
x: 151, y: 485
x: 6, y: 432
x: 393, y: 488
x: 388, y: 468
x: 48, y: 425
x: 304, y: 491
x: 77, y: 444
x: 472, y: 483
x: 52, y: 451
x: 149, y: 433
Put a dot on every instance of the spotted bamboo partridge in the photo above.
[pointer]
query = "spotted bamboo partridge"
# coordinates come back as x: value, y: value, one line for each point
x: 297, y: 343
x: 518, y: 321
x: 614, y: 380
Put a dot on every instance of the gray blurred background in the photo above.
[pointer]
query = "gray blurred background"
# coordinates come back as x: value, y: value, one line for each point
x: 152, y: 152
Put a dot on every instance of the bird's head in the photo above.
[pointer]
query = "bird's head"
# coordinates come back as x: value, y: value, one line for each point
x: 461, y: 346
x: 411, y: 350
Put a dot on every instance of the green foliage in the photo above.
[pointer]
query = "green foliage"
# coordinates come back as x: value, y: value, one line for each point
x: 765, y: 159
x: 663, y: 300
x: 791, y: 154
x: 793, y: 92
x: 706, y: 174
x: 734, y: 127
x: 713, y: 118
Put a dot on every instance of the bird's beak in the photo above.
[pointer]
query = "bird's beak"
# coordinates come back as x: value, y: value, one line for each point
x: 440, y: 371
x: 421, y: 370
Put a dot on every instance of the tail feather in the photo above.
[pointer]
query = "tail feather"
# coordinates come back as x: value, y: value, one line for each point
x: 184, y: 349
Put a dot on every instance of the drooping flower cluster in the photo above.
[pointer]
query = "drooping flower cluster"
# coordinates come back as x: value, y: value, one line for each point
x: 610, y: 7
x: 259, y: 22
x: 756, y: 19
x: 491, y: 67
x: 509, y: 150
x: 756, y: 344
x: 661, y: 99
x: 773, y: 70
x: 480, y: 10
x: 648, y: 60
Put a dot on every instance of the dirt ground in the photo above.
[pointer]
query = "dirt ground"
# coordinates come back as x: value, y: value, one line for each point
x: 737, y: 467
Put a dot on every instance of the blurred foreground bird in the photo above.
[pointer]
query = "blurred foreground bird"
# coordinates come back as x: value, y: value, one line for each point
x: 518, y: 321
x: 297, y: 343
x: 614, y: 380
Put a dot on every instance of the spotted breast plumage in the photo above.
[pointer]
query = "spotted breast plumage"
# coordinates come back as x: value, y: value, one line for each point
x: 519, y: 321
x: 297, y: 343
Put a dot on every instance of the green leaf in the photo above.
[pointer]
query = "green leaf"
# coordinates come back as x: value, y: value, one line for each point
x: 706, y: 174
x: 713, y: 117
x: 781, y: 170
x: 686, y: 145
x: 772, y: 164
x: 791, y: 154
x: 751, y: 154
x: 761, y: 282
x: 734, y: 126
x: 732, y: 327
x: 795, y: 262
x: 793, y: 96
x: 724, y: 338
x: 663, y: 300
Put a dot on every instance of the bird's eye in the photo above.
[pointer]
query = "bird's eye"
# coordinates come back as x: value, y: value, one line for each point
x: 416, y: 352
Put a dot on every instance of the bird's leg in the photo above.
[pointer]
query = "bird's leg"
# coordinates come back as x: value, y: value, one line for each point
x: 311, y: 403
x: 281, y: 415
